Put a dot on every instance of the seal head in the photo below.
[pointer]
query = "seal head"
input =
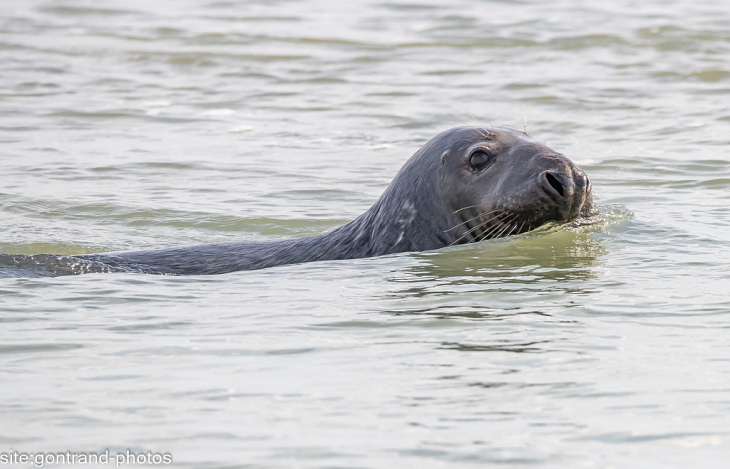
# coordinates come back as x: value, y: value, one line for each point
x: 501, y: 182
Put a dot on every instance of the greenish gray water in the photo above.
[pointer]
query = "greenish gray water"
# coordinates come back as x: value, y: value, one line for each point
x: 129, y: 125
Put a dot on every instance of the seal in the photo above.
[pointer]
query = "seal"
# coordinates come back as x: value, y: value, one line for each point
x: 463, y: 186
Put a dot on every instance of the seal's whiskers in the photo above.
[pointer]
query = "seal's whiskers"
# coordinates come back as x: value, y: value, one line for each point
x: 471, y: 219
x: 480, y: 124
x: 478, y: 226
x: 520, y: 230
x: 465, y: 208
x: 504, y: 225
x: 509, y: 228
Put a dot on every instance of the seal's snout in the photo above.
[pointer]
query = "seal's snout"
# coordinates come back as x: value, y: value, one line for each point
x: 568, y: 189
x: 559, y: 187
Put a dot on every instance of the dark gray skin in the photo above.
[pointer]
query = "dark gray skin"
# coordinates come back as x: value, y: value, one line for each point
x: 465, y: 185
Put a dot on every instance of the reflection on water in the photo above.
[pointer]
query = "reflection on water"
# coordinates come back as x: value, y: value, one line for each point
x: 525, y: 347
x: 559, y: 255
x: 555, y: 258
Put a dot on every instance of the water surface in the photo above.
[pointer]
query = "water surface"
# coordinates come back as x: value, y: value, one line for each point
x: 140, y: 125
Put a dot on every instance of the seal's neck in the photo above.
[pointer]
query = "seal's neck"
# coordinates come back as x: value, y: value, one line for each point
x: 411, y: 215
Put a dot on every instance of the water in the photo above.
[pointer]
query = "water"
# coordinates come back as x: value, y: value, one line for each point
x: 135, y: 125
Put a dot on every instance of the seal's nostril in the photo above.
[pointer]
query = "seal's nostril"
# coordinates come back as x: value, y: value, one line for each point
x: 555, y: 184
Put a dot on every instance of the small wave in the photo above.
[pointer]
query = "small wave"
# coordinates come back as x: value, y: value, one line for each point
x: 602, y: 217
x: 49, y: 265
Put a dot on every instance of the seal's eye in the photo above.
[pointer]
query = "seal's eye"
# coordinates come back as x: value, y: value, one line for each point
x: 479, y: 160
